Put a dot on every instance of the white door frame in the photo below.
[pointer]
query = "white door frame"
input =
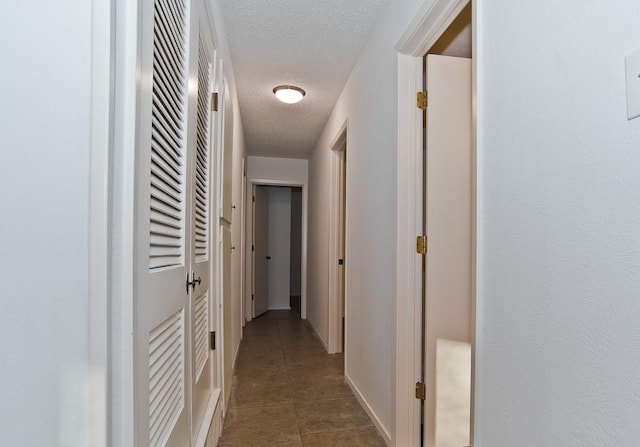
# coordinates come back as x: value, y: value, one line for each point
x: 101, y: 148
x: 248, y: 279
x: 424, y: 30
x: 337, y: 146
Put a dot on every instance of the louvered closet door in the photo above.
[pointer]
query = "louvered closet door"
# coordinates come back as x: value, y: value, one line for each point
x: 162, y: 364
x: 201, y: 355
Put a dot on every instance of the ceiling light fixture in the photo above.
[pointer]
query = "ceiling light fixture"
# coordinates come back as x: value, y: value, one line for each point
x: 289, y: 94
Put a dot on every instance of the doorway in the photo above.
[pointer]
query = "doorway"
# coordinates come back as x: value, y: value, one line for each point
x: 276, y: 248
x: 436, y: 202
x: 446, y: 291
x: 337, y: 241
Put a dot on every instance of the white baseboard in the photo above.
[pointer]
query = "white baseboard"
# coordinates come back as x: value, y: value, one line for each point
x: 322, y: 340
x: 376, y: 421
x: 203, y: 432
x: 279, y: 308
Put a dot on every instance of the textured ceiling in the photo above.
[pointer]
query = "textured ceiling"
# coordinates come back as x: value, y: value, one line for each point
x: 313, y: 44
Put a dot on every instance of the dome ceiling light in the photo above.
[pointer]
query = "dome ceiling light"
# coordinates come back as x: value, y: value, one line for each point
x: 289, y: 94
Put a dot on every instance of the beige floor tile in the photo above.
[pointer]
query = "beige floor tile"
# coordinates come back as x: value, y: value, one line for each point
x: 312, y: 371
x: 289, y: 441
x: 361, y: 437
x: 325, y: 389
x: 285, y: 384
x: 260, y: 392
x: 326, y: 415
x: 260, y: 425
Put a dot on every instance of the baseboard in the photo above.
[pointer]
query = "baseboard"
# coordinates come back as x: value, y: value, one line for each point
x: 280, y: 308
x: 209, y: 429
x: 363, y: 402
x: 322, y: 340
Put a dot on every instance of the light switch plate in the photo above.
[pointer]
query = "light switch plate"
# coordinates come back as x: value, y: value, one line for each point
x: 632, y: 63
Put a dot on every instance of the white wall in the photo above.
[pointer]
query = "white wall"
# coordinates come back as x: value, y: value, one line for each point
x: 271, y: 169
x: 559, y: 238
x: 279, y: 246
x: 45, y: 143
x: 368, y: 102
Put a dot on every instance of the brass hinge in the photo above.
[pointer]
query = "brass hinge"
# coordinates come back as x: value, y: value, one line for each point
x: 212, y: 340
x: 422, y: 100
x: 421, y: 391
x: 214, y: 102
x: 421, y: 245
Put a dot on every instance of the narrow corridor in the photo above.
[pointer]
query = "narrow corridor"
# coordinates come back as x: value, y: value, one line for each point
x: 287, y: 391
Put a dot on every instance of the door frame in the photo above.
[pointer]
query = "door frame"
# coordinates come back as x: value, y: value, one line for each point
x: 249, y: 219
x: 423, y: 31
x: 338, y: 146
x: 100, y: 217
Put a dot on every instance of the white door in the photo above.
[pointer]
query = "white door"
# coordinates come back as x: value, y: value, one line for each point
x: 448, y: 259
x: 161, y: 308
x: 261, y: 252
x: 202, y: 289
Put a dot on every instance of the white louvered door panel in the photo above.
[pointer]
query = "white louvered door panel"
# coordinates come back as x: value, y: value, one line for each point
x: 163, y: 252
x: 201, y: 372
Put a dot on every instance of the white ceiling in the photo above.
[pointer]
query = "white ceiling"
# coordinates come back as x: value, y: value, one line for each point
x: 313, y: 44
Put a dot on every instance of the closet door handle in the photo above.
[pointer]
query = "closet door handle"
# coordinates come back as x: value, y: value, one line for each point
x: 193, y: 281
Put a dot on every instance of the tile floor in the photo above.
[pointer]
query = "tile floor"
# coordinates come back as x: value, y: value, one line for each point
x: 287, y: 391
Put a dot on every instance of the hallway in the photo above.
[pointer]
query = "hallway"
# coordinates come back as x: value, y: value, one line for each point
x: 288, y: 391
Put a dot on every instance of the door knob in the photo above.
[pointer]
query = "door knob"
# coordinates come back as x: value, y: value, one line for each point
x: 267, y: 257
x: 193, y: 281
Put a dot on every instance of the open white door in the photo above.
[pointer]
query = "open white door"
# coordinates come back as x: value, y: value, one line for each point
x: 161, y: 312
x: 448, y: 259
x: 261, y: 252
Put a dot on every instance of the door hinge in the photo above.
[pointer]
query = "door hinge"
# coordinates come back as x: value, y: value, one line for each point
x: 421, y: 391
x: 214, y: 102
x: 422, y: 100
x: 253, y: 297
x: 421, y: 245
x: 253, y: 248
x: 212, y: 340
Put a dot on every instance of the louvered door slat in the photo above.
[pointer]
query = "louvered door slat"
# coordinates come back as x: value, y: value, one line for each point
x: 201, y: 202
x: 166, y: 108
x: 166, y: 377
x: 201, y: 332
x: 166, y: 245
x: 171, y: 22
x: 159, y: 161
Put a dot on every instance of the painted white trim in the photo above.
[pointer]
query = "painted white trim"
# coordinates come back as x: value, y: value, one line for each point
x: 424, y: 30
x: 409, y: 264
x: 203, y: 432
x: 126, y: 39
x: 334, y: 323
x: 476, y: 206
x: 99, y: 203
x: 322, y: 340
x: 428, y: 25
x: 372, y: 415
x: 305, y: 212
x: 242, y: 252
x: 279, y: 308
